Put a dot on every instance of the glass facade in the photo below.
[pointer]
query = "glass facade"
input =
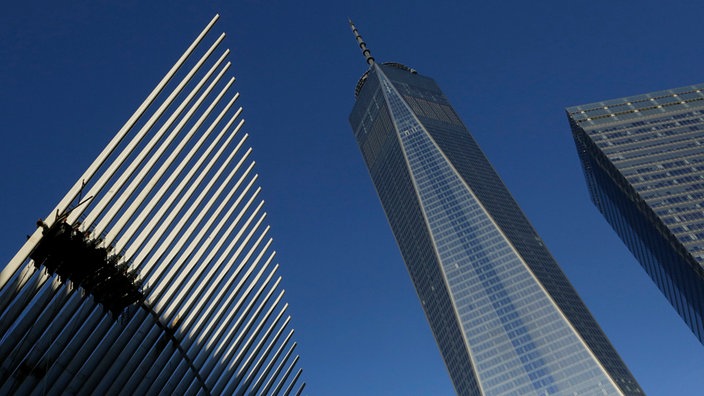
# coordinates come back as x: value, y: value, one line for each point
x: 506, y: 319
x: 643, y: 159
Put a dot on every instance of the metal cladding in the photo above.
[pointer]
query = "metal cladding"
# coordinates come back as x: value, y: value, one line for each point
x: 166, y: 231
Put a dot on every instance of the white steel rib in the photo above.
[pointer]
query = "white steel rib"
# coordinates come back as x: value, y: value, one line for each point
x: 156, y: 272
x: 75, y: 190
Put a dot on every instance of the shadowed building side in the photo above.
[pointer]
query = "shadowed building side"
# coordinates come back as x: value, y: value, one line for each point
x: 643, y: 160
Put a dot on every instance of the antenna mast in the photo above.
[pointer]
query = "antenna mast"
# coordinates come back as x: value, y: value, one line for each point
x: 362, y: 45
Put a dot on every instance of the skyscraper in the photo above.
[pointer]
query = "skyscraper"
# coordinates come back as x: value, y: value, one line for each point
x: 505, y: 317
x: 643, y: 159
x: 155, y: 273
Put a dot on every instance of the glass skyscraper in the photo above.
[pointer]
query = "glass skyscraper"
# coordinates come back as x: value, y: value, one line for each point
x: 643, y: 159
x: 505, y: 317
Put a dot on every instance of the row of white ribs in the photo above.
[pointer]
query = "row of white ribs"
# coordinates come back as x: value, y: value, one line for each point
x: 179, y: 201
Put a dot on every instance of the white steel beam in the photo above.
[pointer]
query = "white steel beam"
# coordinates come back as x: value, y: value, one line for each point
x: 157, y: 218
x: 289, y: 388
x: 136, y: 163
x: 155, y: 248
x: 153, y: 157
x: 189, y: 220
x: 175, y: 325
x: 215, y: 355
x: 137, y: 223
x: 221, y: 74
x: 260, y: 380
x: 132, y: 341
x: 223, y: 370
x: 74, y: 191
x: 276, y: 373
x: 281, y: 383
x: 246, y: 366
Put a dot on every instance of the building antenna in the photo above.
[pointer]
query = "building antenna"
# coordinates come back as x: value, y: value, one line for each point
x: 362, y: 45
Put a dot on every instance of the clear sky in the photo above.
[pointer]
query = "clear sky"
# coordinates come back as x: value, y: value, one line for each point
x: 72, y: 72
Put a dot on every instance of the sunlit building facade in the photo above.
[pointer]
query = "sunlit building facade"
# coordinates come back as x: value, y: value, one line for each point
x: 505, y: 317
x: 643, y: 159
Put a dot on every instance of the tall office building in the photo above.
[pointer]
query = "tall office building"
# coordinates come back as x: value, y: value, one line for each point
x: 505, y: 317
x: 643, y: 159
x: 155, y: 274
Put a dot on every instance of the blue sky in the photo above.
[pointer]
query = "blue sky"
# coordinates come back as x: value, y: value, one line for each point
x: 71, y: 74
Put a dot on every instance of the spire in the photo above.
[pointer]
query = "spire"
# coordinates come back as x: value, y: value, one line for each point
x: 362, y: 45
